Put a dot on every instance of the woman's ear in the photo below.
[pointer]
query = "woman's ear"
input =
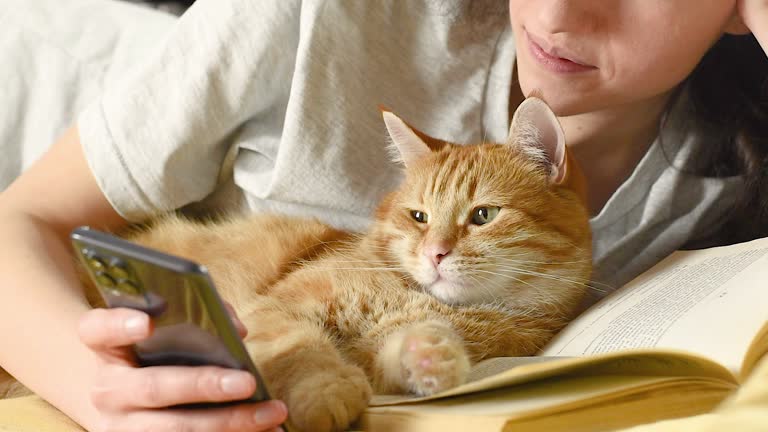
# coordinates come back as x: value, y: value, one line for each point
x: 735, y: 25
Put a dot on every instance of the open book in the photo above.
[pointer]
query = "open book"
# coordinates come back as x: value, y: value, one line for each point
x: 674, y: 342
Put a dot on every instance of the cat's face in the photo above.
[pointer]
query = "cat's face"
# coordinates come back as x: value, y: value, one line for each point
x: 487, y: 223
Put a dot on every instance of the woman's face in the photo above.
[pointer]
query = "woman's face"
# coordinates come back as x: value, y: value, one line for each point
x: 586, y: 55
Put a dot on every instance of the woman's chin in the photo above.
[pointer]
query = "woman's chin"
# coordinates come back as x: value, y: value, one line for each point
x: 564, y: 100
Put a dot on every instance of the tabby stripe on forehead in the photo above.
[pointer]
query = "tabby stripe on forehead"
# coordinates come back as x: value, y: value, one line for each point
x: 444, y: 175
x: 435, y: 179
x: 469, y: 185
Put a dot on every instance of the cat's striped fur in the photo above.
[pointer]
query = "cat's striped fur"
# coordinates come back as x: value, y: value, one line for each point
x: 333, y: 317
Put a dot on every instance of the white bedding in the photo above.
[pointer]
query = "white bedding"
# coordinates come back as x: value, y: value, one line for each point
x: 56, y: 57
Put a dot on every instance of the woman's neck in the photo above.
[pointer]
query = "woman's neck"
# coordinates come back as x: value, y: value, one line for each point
x: 608, y: 144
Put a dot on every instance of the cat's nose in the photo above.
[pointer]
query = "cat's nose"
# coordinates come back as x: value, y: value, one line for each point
x: 437, y: 251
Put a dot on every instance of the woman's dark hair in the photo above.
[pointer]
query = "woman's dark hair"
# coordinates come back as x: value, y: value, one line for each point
x: 729, y: 106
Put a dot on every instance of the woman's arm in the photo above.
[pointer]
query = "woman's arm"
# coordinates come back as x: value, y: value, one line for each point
x: 46, y: 320
x: 42, y: 300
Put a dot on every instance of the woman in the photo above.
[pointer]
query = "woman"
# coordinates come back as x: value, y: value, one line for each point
x: 289, y: 92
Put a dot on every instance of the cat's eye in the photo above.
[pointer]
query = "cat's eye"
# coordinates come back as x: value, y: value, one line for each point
x: 483, y: 215
x: 419, y: 216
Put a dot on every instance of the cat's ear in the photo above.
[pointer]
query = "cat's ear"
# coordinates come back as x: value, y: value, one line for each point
x: 536, y: 130
x: 409, y: 144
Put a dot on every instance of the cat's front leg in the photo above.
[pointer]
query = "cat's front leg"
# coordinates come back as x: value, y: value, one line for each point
x: 302, y: 366
x: 424, y: 358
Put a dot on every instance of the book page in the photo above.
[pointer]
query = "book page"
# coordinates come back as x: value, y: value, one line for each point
x: 512, y: 372
x: 565, y: 404
x: 549, y: 397
x: 499, y: 365
x: 711, y: 302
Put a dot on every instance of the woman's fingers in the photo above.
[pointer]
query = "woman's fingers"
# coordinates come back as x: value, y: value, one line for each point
x: 120, y: 327
x: 124, y: 387
x: 259, y: 417
x: 263, y: 416
x: 102, y: 329
x: 131, y: 399
x: 236, y: 320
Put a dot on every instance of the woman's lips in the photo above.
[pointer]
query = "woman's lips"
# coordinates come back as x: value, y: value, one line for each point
x: 554, y: 58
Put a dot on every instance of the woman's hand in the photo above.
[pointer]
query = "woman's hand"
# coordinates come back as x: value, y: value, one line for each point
x: 754, y: 14
x: 131, y: 399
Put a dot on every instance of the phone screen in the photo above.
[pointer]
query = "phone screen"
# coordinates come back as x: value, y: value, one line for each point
x: 186, y: 331
x: 191, y: 325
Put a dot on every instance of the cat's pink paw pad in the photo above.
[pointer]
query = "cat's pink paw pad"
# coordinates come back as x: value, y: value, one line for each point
x: 432, y: 362
x: 330, y: 401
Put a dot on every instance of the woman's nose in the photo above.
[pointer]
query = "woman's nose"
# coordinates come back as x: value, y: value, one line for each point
x: 571, y: 16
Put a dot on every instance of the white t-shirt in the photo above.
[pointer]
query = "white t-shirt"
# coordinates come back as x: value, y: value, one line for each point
x: 290, y: 90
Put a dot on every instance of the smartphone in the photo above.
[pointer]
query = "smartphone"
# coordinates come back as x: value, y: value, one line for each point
x: 191, y: 325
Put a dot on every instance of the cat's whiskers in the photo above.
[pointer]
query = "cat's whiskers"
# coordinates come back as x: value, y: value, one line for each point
x: 330, y: 245
x: 357, y: 261
x: 382, y: 250
x: 489, y: 290
x: 464, y: 264
x: 352, y: 256
x: 591, y: 285
x: 535, y: 270
x: 506, y: 258
x: 585, y: 282
x: 542, y: 296
x: 316, y: 267
x: 530, y: 265
x: 506, y: 276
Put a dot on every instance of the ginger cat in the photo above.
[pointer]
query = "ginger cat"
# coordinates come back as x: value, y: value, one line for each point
x: 483, y: 251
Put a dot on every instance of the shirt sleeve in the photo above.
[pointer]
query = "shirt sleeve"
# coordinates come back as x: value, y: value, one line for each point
x: 155, y: 140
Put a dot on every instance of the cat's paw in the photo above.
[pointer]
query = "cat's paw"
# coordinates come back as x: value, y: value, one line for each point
x: 433, y: 359
x: 328, y: 400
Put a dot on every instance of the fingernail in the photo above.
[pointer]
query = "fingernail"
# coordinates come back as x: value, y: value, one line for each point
x: 235, y: 383
x: 136, y: 325
x: 270, y: 412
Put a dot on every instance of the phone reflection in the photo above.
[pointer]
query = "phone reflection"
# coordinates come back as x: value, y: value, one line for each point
x: 184, y: 332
